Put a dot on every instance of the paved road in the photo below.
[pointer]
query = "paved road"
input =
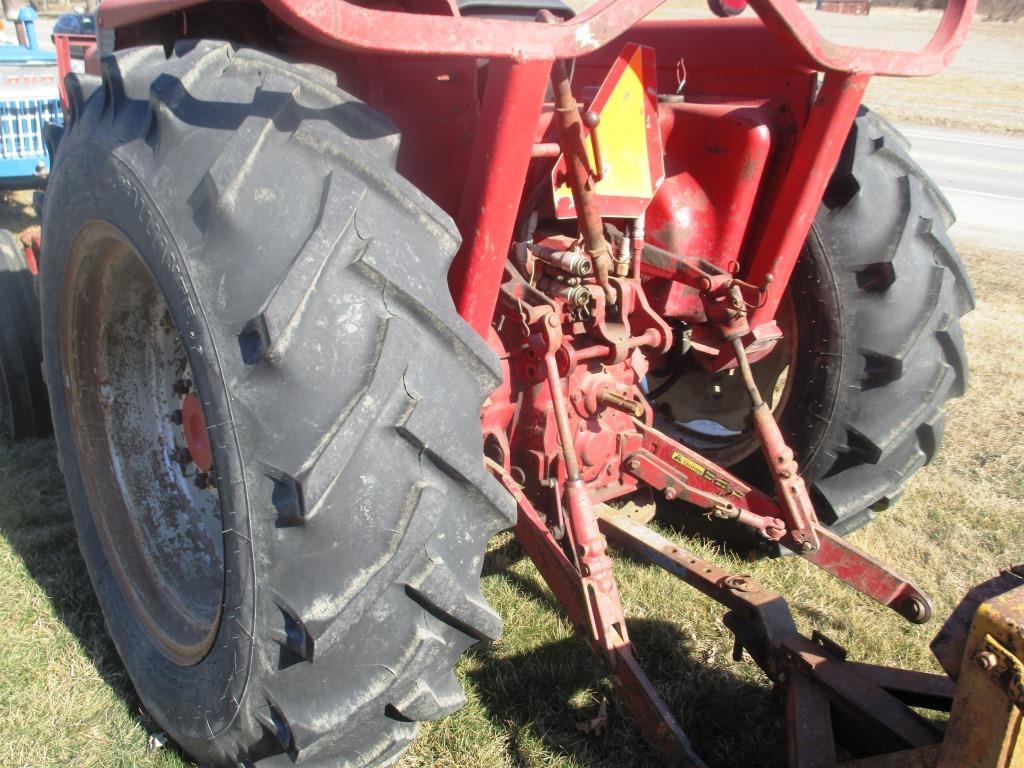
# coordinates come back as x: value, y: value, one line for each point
x: 982, y: 175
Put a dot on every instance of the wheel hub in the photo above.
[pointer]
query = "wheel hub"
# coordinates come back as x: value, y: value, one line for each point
x: 142, y: 449
x: 193, y: 425
x: 710, y: 411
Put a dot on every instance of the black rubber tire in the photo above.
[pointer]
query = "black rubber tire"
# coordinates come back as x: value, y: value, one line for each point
x: 879, y: 293
x: 24, y: 409
x: 342, y: 389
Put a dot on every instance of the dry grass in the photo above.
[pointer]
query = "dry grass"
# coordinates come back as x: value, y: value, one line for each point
x: 65, y: 700
x: 983, y: 88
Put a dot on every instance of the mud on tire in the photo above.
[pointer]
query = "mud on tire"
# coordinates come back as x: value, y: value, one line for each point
x: 340, y: 388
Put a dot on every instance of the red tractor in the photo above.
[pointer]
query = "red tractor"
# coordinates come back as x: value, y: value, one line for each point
x: 295, y: 254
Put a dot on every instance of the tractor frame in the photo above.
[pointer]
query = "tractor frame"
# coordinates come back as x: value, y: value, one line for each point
x: 792, y: 97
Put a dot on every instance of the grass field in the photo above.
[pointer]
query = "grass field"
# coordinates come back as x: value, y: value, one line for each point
x: 983, y: 88
x: 66, y: 701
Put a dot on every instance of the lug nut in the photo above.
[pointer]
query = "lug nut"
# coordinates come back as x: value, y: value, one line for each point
x: 986, y: 660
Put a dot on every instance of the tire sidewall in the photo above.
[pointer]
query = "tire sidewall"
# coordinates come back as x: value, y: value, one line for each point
x: 200, y: 701
x: 23, y: 409
x: 820, y: 364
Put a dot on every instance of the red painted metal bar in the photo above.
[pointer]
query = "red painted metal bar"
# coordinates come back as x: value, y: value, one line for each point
x: 650, y: 712
x: 62, y: 46
x: 513, y: 100
x: 797, y: 34
x: 834, y: 555
x: 793, y: 210
x: 813, y: 673
x: 870, y: 577
x: 352, y: 26
x: 346, y: 24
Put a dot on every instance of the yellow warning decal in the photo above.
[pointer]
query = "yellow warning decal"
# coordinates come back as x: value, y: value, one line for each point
x: 687, y: 462
x: 629, y: 136
x: 701, y: 471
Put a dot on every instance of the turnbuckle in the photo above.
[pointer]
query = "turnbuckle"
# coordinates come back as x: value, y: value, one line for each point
x: 790, y: 486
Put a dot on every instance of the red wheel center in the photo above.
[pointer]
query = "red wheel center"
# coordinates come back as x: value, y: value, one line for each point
x: 193, y: 424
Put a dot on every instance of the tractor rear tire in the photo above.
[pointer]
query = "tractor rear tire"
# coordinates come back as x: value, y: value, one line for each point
x: 878, y: 295
x: 872, y: 350
x: 245, y: 211
x: 24, y: 410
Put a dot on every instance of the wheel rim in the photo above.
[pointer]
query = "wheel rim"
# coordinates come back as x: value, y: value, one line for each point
x: 127, y: 377
x: 709, y: 412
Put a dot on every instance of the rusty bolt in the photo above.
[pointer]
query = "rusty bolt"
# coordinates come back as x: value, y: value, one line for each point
x: 737, y: 582
x: 176, y: 416
x: 986, y: 660
x: 181, y: 455
x: 806, y: 546
x: 670, y: 493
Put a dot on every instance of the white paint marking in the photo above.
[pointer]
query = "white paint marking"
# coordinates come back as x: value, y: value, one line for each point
x: 956, y: 191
